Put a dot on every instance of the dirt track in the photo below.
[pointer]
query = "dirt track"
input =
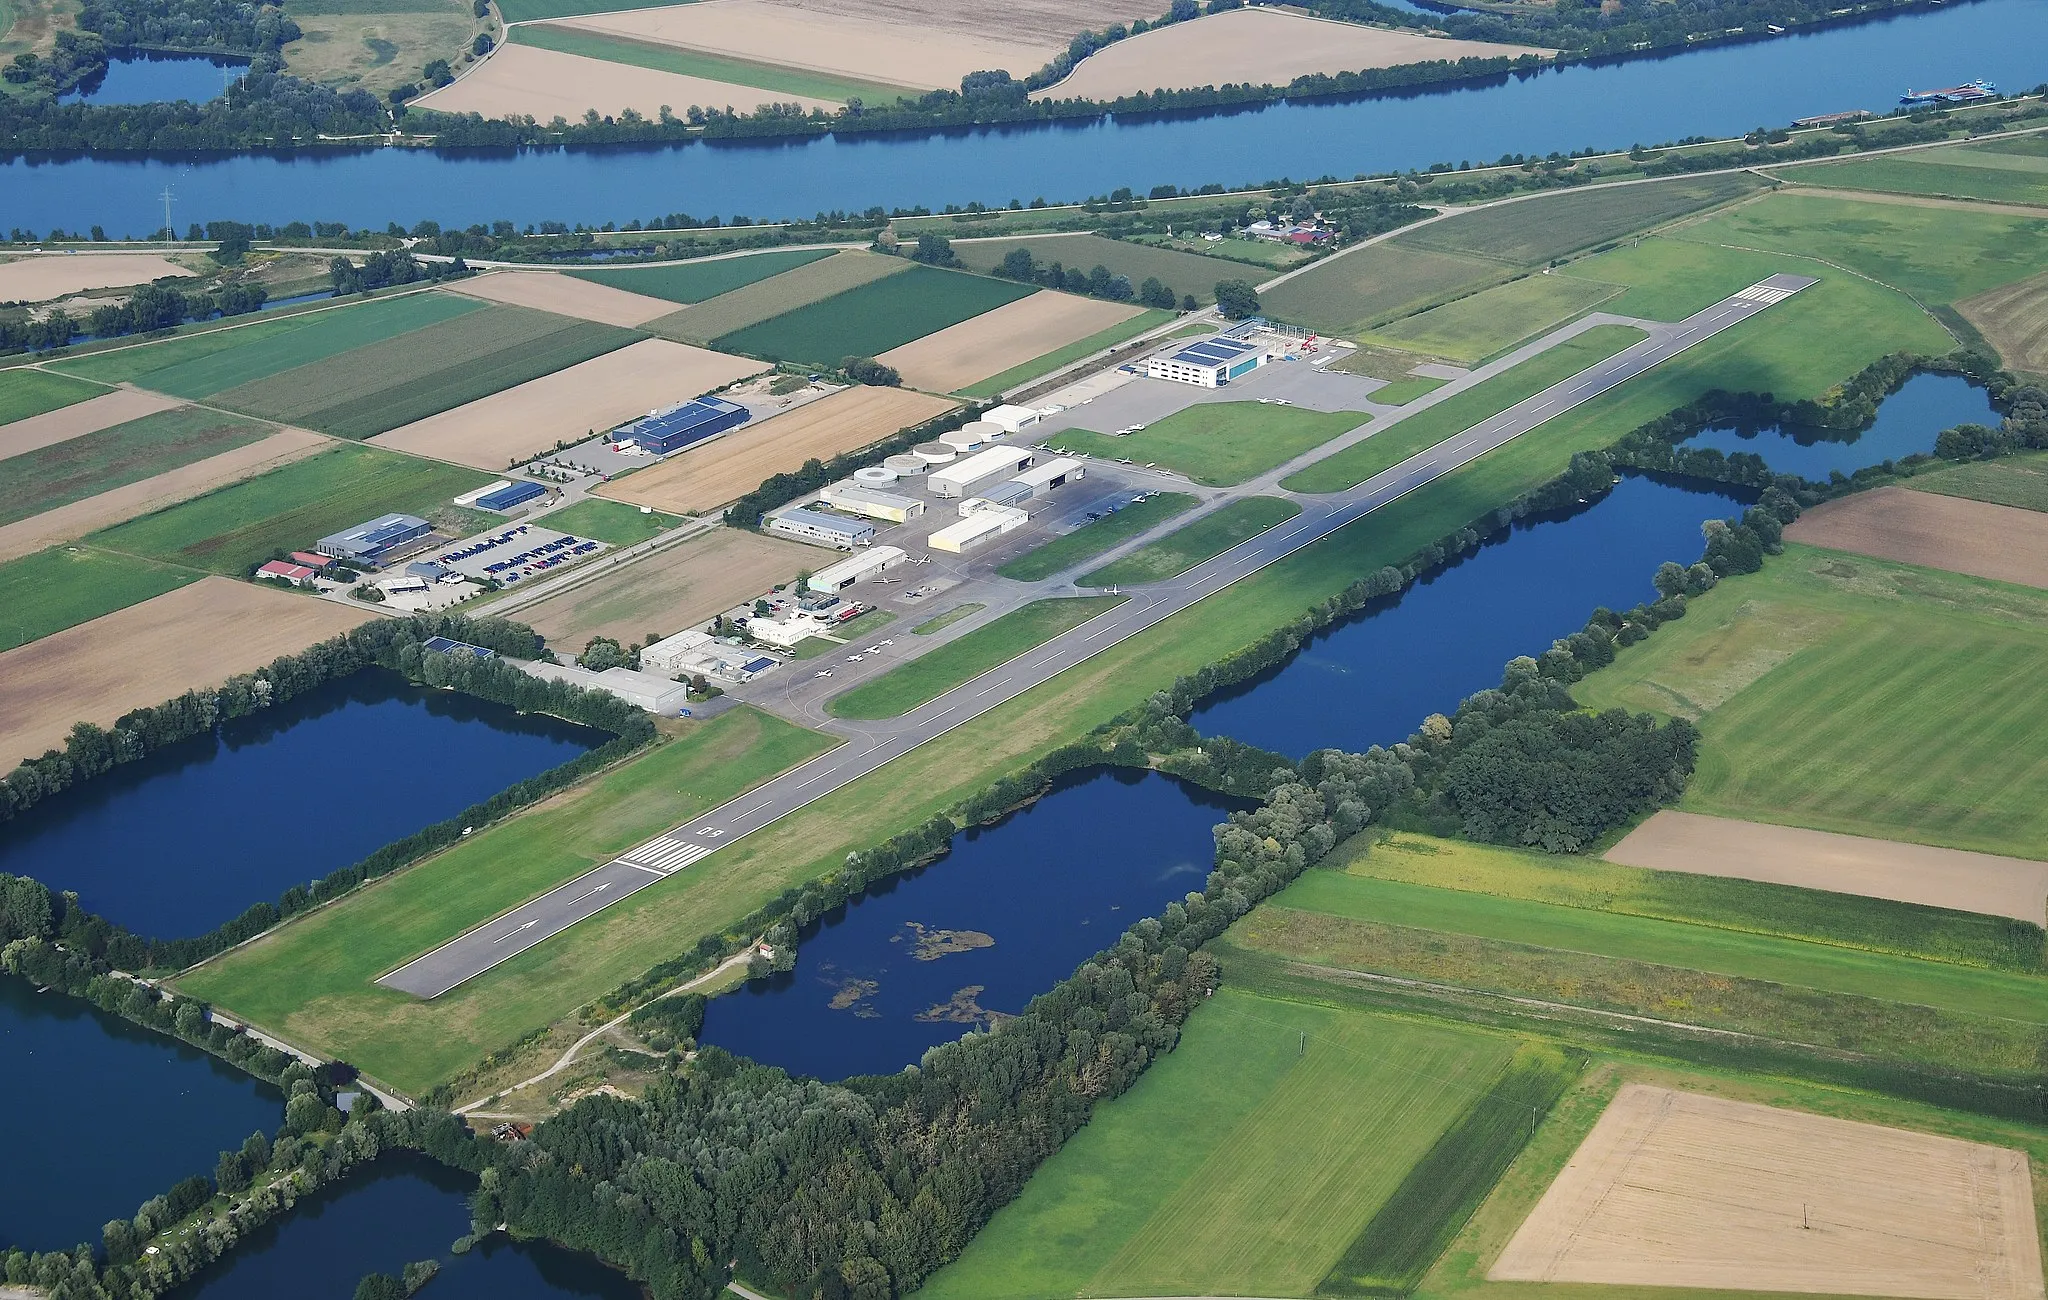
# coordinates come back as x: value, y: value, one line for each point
x: 669, y: 591
x: 1939, y: 532
x: 995, y: 341
x: 196, y: 636
x: 570, y: 404
x: 79, y: 419
x: 39, y: 279
x: 1676, y: 1189
x: 565, y: 295
x: 737, y: 463
x: 548, y: 84
x: 1841, y: 864
x: 1259, y: 46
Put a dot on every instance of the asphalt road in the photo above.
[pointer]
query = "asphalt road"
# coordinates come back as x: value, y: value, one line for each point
x: 873, y: 744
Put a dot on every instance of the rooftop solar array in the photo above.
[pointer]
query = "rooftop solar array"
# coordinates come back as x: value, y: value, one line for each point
x: 1210, y: 352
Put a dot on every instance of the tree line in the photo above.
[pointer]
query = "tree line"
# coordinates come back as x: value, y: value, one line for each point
x: 385, y: 269
x: 149, y: 308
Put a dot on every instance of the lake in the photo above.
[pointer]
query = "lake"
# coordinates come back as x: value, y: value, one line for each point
x: 1372, y: 678
x: 1717, y: 91
x: 102, y: 1115
x: 148, y: 78
x: 402, y: 1208
x: 1906, y: 423
x: 921, y: 958
x: 176, y: 843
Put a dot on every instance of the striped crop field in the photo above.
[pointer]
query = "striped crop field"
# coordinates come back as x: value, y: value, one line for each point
x: 694, y: 282
x: 875, y: 317
x: 80, y: 467
x: 1534, y: 231
x: 750, y: 304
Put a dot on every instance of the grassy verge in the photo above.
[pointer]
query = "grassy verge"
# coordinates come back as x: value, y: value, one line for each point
x: 850, y: 635
x: 1092, y: 539
x: 1184, y: 548
x: 1403, y: 391
x: 327, y: 1001
x: 948, y: 619
x: 1493, y: 320
x: 929, y: 676
x: 1425, y: 429
x: 611, y: 521
x: 1219, y: 443
x: 1051, y: 361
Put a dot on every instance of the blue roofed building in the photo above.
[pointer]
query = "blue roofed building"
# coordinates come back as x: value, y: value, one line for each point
x: 682, y: 426
x: 377, y: 540
x: 1211, y: 363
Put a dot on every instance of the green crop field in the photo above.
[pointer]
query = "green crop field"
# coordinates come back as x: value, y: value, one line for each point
x: 1533, y: 231
x: 786, y: 291
x: 25, y: 392
x: 374, y: 389
x: 1242, y: 1164
x: 1092, y: 539
x: 1349, y: 294
x: 311, y: 979
x: 67, y: 585
x: 80, y: 467
x: 768, y: 77
x: 2004, y: 171
x: 935, y: 672
x: 1184, y: 273
x: 610, y: 521
x: 2009, y: 481
x: 200, y: 365
x: 1431, y: 425
x: 1494, y: 320
x: 236, y: 527
x: 1219, y: 443
x: 693, y: 282
x: 1185, y: 547
x: 873, y: 318
x: 1051, y: 361
x: 1854, y: 695
x: 526, y: 11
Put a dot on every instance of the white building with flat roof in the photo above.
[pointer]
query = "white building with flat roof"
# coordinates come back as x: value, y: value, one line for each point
x: 1054, y: 473
x: 989, y: 521
x: 667, y: 656
x: 961, y: 478
x: 862, y: 564
x: 872, y: 503
x: 821, y: 529
x: 1012, y: 419
x: 656, y: 695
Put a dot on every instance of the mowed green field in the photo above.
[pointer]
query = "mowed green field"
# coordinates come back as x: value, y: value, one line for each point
x: 1350, y: 294
x: 1218, y: 443
x: 1854, y: 695
x: 994, y: 385
x: 379, y: 387
x: 768, y: 77
x: 935, y: 672
x: 1529, y: 232
x: 1092, y: 539
x: 799, y: 286
x: 200, y: 365
x: 25, y: 392
x: 2001, y: 171
x: 692, y: 282
x: 1431, y: 425
x: 230, y: 530
x: 328, y: 1002
x: 1244, y: 1163
x: 611, y: 521
x: 870, y: 320
x: 2020, y: 481
x: 67, y: 585
x: 80, y: 467
x: 1184, y: 273
x: 1494, y: 320
x: 1184, y: 548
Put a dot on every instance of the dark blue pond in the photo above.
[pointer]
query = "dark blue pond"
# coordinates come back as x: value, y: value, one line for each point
x: 176, y: 843
x: 404, y: 1208
x: 1721, y: 90
x: 1371, y: 679
x: 102, y: 1115
x: 154, y: 78
x: 922, y: 958
x: 1906, y: 423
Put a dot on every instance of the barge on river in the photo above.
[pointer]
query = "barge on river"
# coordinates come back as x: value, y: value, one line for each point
x: 1967, y: 93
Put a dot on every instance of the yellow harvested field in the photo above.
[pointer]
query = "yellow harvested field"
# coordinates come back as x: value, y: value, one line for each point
x: 2013, y: 318
x: 929, y: 46
x: 2003, y: 543
x: 1259, y: 46
x: 547, y: 84
x: 736, y: 464
x: 669, y: 590
x: 183, y: 640
x: 39, y: 279
x: 565, y: 295
x: 1840, y: 864
x: 79, y: 419
x: 132, y: 500
x: 1674, y: 1189
x: 998, y: 340
x: 493, y: 432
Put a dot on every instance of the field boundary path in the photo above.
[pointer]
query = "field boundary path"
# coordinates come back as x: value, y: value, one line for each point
x: 870, y: 745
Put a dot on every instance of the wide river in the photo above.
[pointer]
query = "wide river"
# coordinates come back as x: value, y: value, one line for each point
x: 1722, y: 90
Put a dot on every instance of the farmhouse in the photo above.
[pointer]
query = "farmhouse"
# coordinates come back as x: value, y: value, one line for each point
x: 296, y: 574
x: 1212, y: 363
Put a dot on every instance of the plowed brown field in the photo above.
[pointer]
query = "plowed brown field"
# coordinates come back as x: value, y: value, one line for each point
x: 1939, y: 532
x: 548, y: 84
x: 75, y: 421
x: 566, y: 295
x: 737, y: 463
x: 39, y: 279
x: 670, y: 590
x: 997, y: 340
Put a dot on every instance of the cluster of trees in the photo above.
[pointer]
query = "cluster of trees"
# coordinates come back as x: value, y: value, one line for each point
x: 1019, y: 264
x: 158, y: 306
x: 774, y: 491
x: 225, y: 25
x: 381, y: 270
x: 262, y: 110
x: 867, y: 370
x: 1236, y: 299
x: 78, y: 59
x: 1587, y: 27
x: 395, y: 644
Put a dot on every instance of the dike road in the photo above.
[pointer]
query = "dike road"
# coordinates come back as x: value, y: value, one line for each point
x: 870, y: 745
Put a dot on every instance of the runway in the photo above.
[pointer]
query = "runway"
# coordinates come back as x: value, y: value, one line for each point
x: 875, y: 744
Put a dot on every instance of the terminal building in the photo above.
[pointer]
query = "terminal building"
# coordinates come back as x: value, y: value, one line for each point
x: 677, y: 427
x: 691, y: 652
x: 1211, y: 363
x: 377, y: 541
x: 821, y: 529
